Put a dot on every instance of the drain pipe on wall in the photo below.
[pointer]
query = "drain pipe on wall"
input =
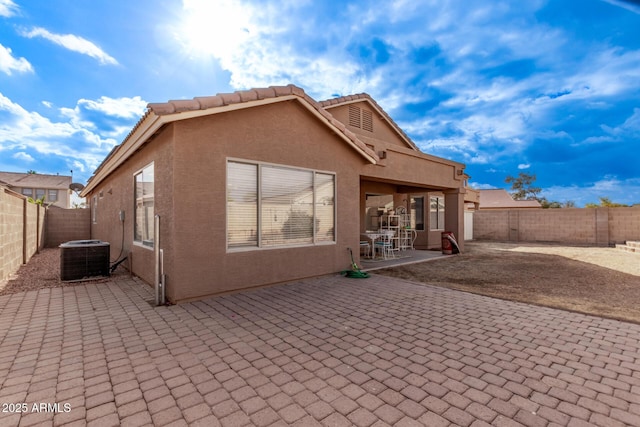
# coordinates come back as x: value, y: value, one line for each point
x: 159, y: 258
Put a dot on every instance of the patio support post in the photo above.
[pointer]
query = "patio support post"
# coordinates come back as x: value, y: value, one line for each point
x: 454, y: 214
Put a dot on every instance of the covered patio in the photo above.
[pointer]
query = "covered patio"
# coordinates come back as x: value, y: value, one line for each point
x: 402, y: 222
x: 411, y: 256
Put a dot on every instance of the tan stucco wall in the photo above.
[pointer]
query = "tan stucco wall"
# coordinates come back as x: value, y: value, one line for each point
x: 382, y: 130
x: 202, y: 265
x: 118, y: 194
x: 64, y: 196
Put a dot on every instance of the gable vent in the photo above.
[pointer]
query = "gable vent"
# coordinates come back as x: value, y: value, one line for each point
x: 367, y: 120
x: 360, y: 118
x: 354, y: 116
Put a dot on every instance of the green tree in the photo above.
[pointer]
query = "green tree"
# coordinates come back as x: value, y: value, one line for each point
x: 605, y: 202
x: 38, y: 201
x: 546, y: 204
x: 522, y: 186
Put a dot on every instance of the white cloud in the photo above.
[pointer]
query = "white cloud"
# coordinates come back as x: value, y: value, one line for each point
x: 9, y: 63
x: 74, y: 140
x: 618, y: 191
x: 21, y: 155
x: 629, y: 5
x: 630, y: 127
x: 480, y: 186
x: 261, y: 45
x: 73, y: 43
x: 524, y: 166
x: 127, y: 108
x: 7, y: 8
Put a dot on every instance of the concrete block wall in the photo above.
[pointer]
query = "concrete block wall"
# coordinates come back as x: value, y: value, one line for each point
x: 491, y: 225
x: 581, y: 226
x: 33, y: 232
x: 63, y: 225
x: 21, y: 231
x: 558, y: 225
x: 11, y: 232
x: 624, y: 224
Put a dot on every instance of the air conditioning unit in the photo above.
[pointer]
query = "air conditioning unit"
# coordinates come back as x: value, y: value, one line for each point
x: 80, y: 259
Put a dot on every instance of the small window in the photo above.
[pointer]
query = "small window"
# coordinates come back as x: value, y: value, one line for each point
x: 436, y: 219
x: 144, y: 206
x: 27, y: 192
x: 40, y: 193
x: 53, y: 195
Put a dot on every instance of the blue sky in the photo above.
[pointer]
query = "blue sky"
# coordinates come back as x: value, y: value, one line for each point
x: 544, y: 87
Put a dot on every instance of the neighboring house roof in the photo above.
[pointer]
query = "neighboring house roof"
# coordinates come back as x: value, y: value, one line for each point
x: 160, y: 114
x: 31, y: 180
x: 351, y: 99
x: 501, y: 199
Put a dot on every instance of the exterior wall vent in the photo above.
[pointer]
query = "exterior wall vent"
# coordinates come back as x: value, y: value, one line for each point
x: 367, y: 120
x: 80, y: 259
x: 354, y: 116
x: 359, y: 118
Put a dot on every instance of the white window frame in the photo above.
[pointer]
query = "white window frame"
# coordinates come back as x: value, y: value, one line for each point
x: 94, y: 209
x: 439, y: 214
x: 148, y: 244
x: 259, y: 245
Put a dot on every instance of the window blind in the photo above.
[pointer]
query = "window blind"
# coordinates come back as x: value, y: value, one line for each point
x: 325, y: 207
x: 242, y: 204
x: 271, y: 205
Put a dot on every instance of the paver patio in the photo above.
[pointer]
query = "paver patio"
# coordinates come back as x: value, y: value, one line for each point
x: 328, y: 351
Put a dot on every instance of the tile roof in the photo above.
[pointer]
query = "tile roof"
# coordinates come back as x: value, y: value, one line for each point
x: 501, y: 199
x: 37, y: 180
x: 182, y: 109
x: 348, y: 99
x: 239, y: 97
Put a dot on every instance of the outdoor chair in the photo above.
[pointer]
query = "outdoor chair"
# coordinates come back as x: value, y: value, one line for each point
x: 385, y: 245
x: 365, y: 248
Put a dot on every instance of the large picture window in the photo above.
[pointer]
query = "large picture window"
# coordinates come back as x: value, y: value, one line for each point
x: 436, y: 220
x: 270, y: 206
x: 144, y: 207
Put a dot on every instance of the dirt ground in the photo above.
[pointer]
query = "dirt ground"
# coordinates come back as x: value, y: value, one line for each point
x: 598, y: 281
x: 43, y: 271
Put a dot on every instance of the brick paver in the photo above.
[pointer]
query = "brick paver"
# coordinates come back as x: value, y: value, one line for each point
x: 328, y: 351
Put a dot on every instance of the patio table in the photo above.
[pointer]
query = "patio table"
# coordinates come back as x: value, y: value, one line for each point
x: 373, y: 236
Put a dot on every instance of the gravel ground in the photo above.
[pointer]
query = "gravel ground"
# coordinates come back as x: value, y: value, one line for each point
x: 43, y: 271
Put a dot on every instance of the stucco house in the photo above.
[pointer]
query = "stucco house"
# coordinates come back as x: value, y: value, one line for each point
x: 263, y: 186
x: 53, y: 188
